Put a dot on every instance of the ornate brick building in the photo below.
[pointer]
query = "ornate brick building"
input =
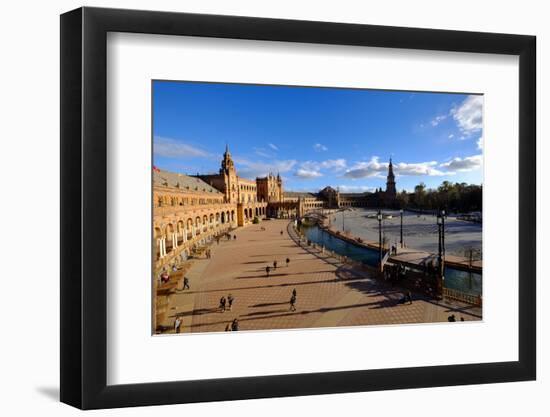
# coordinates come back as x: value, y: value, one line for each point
x: 190, y: 210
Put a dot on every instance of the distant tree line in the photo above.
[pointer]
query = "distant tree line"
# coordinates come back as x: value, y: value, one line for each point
x: 453, y: 197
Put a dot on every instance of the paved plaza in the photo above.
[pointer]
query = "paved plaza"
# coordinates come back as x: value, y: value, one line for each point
x: 419, y: 230
x: 329, y: 293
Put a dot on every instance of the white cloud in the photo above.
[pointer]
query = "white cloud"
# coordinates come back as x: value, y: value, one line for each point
x: 319, y: 147
x: 480, y: 143
x: 262, y: 152
x: 272, y: 146
x: 374, y: 168
x: 438, y: 119
x: 335, y: 165
x: 253, y: 169
x: 307, y: 174
x: 469, y: 115
x: 420, y: 168
x: 172, y: 148
x: 354, y: 188
x: 451, y: 136
x: 468, y: 163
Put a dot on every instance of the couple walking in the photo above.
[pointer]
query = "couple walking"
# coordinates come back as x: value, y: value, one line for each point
x: 226, y: 302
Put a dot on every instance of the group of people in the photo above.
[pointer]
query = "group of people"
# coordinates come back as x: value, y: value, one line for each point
x: 164, y: 276
x: 452, y: 318
x: 226, y: 303
x: 208, y: 253
x: 268, y: 268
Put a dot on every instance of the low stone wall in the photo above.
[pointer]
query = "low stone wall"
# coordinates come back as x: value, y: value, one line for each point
x: 350, y: 239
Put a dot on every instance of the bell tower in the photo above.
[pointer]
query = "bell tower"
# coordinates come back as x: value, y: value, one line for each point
x: 231, y: 185
x: 390, y: 183
x: 227, y: 162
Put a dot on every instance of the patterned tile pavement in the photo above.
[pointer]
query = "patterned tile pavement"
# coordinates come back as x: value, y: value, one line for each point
x: 329, y: 293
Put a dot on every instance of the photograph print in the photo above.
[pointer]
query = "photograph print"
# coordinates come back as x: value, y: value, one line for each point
x: 295, y: 207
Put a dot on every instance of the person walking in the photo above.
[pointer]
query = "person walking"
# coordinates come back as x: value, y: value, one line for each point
x: 186, y: 283
x: 409, y: 297
x: 293, y: 303
x: 235, y: 325
x: 287, y: 262
x: 274, y: 264
x: 230, y: 300
x: 281, y: 232
x: 228, y: 327
x: 222, y: 304
x: 267, y: 269
x: 177, y: 325
x: 234, y: 237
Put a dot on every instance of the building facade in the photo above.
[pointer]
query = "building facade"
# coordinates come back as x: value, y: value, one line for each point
x: 270, y: 188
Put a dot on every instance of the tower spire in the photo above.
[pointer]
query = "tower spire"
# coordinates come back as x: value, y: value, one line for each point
x: 227, y: 162
x: 390, y: 183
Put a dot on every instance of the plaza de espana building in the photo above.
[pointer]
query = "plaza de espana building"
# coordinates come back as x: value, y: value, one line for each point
x: 190, y: 211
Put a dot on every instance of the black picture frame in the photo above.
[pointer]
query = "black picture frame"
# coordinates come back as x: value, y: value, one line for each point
x: 84, y: 207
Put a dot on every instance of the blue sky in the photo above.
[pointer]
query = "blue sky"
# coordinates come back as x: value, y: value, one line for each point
x: 319, y: 136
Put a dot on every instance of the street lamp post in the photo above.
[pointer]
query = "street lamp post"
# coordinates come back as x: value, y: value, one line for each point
x: 343, y: 222
x: 379, y: 218
x: 401, y: 234
x: 441, y: 243
x: 443, y: 233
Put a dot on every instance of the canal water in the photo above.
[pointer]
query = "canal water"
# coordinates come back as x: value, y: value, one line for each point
x: 468, y: 282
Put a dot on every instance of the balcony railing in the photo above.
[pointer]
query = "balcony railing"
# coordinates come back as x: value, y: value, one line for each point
x: 462, y: 296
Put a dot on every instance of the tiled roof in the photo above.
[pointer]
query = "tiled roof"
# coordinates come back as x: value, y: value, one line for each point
x: 297, y: 194
x: 181, y: 181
